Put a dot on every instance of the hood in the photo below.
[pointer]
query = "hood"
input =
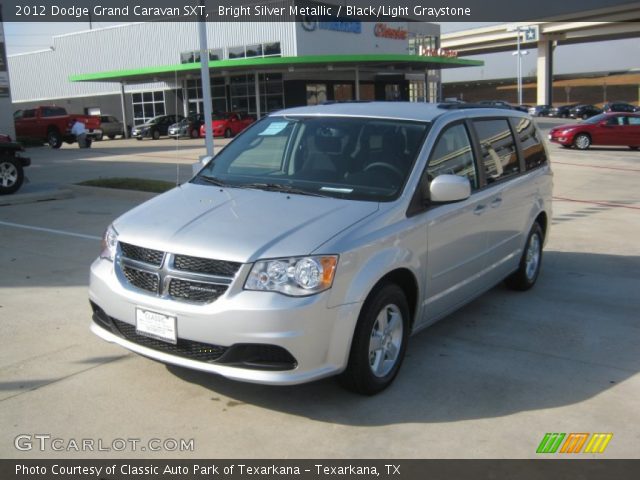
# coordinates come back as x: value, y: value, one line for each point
x: 219, y: 123
x: 567, y: 126
x: 240, y: 225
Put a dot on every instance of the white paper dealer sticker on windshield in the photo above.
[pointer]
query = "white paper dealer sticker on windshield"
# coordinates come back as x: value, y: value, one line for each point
x: 156, y: 325
x: 274, y: 128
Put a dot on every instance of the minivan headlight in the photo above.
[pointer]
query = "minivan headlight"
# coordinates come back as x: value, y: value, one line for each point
x: 109, y: 244
x: 296, y: 276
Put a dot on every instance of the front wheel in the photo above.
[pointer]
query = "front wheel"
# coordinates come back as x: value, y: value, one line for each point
x: 379, y: 341
x: 228, y: 133
x: 525, y: 277
x: 633, y: 147
x: 582, y: 141
x: 11, y: 175
x: 195, y: 133
x: 156, y: 134
x: 99, y: 137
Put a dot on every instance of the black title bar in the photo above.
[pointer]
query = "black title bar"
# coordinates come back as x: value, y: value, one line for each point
x: 297, y: 10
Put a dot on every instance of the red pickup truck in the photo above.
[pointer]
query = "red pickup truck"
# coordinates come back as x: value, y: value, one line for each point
x: 52, y: 125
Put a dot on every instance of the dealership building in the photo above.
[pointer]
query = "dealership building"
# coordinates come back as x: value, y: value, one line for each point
x: 141, y: 70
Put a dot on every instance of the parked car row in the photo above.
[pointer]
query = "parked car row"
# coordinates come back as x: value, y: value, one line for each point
x: 224, y: 124
x: 579, y: 110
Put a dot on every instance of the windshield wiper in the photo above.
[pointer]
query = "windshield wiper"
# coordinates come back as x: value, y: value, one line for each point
x: 212, y: 180
x: 278, y: 187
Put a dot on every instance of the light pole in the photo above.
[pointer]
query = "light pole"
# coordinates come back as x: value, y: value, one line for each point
x: 519, y: 29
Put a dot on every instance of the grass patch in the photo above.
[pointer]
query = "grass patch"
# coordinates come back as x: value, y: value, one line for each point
x: 140, y: 184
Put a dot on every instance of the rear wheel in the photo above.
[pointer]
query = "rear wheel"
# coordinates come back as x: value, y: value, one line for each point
x: 379, y: 341
x: 633, y: 147
x: 582, y: 141
x: 155, y: 135
x: 195, y: 133
x: 99, y: 137
x: 111, y: 137
x: 585, y: 116
x: 525, y: 277
x: 11, y: 175
x: 54, y: 139
x: 228, y: 133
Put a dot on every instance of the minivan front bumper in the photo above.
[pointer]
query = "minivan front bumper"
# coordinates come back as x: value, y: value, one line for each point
x: 315, y: 338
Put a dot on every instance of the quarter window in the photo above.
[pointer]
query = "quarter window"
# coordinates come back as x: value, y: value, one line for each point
x: 452, y: 155
x: 532, y: 147
x: 634, y: 120
x: 498, y: 149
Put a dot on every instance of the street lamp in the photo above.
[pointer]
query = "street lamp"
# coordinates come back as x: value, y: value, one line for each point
x: 519, y: 29
x: 520, y: 54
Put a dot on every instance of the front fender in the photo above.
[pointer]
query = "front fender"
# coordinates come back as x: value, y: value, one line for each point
x: 359, y: 272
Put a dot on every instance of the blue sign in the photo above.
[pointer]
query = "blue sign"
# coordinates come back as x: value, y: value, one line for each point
x: 311, y: 24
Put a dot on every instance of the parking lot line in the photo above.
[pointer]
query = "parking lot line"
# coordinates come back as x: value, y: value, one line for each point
x: 50, y: 230
x: 594, y: 202
x: 597, y: 166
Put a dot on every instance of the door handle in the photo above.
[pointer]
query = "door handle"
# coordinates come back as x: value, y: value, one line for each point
x: 496, y: 202
x: 479, y: 209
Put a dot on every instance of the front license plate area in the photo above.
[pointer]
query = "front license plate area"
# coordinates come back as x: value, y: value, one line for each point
x: 156, y: 325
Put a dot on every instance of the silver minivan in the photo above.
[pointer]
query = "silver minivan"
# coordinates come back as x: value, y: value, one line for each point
x: 321, y: 238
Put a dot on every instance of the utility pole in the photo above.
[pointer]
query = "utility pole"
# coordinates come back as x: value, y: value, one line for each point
x: 205, y: 81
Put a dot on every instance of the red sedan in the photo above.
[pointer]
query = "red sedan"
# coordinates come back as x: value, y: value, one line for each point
x: 228, y: 124
x: 604, y: 129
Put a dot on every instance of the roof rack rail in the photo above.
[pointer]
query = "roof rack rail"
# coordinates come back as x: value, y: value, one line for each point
x: 458, y: 106
x: 333, y: 102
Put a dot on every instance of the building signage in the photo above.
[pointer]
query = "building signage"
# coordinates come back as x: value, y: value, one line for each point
x: 438, y: 52
x: 385, y: 31
x: 311, y: 24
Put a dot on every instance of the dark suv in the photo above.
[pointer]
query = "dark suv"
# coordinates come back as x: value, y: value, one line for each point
x: 156, y: 127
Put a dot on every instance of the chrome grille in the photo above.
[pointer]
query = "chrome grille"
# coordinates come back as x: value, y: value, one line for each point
x: 205, y: 265
x: 141, y: 279
x: 195, y: 291
x: 141, y: 254
x: 177, y: 277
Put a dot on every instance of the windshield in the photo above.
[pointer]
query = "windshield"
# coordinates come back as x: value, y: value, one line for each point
x: 345, y: 157
x: 220, y: 116
x: 595, y: 118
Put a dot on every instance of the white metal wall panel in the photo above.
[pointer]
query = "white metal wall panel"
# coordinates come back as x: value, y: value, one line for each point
x: 45, y: 74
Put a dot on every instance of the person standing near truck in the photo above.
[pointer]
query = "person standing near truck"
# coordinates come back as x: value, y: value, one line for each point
x: 78, y: 129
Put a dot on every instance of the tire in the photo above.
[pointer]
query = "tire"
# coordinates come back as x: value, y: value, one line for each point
x: 633, y: 147
x: 11, y: 175
x: 565, y: 146
x: 139, y: 138
x: 98, y: 138
x: 585, y: 116
x: 54, y: 139
x: 370, y: 370
x: 195, y: 133
x: 529, y: 268
x: 582, y: 141
x: 111, y: 137
x: 228, y: 133
x: 155, y: 135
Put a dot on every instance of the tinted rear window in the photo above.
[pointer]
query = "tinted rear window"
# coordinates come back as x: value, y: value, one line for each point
x: 53, y: 111
x: 531, y: 143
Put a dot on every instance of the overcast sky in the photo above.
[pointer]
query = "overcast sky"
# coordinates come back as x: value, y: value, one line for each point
x: 593, y: 57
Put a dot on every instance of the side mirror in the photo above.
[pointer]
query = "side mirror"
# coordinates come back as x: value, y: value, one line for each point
x: 449, y: 188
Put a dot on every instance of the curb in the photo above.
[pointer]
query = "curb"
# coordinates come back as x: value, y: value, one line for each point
x: 111, y: 192
x: 21, y: 198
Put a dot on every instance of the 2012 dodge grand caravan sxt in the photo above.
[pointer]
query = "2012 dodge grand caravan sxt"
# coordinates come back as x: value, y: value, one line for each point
x: 317, y: 241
